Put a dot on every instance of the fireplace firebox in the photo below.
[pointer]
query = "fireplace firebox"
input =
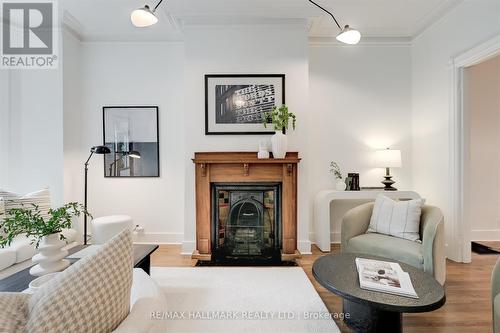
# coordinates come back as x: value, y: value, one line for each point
x: 246, y: 222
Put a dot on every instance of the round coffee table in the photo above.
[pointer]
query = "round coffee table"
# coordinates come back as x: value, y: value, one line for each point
x: 371, y: 311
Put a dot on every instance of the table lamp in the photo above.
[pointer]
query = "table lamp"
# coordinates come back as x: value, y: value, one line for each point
x: 388, y: 158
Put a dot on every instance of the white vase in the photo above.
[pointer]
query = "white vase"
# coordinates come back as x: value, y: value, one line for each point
x: 50, y: 257
x: 279, y: 143
x: 340, y: 185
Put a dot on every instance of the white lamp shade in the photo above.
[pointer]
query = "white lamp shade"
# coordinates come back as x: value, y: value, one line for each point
x: 349, y: 36
x: 388, y: 158
x: 143, y: 17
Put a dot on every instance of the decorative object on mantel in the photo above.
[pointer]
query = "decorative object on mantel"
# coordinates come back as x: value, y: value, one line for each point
x: 263, y: 149
x: 45, y: 233
x: 388, y: 158
x: 352, y: 182
x: 236, y: 103
x: 280, y: 118
x: 340, y: 185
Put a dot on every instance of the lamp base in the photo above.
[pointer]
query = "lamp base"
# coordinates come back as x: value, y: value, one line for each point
x: 388, y: 182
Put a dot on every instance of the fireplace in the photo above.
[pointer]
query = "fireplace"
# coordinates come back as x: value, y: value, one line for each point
x: 246, y: 222
x: 246, y: 207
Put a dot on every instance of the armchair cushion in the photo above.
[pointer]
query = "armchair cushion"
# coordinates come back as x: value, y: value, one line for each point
x: 389, y: 247
x: 496, y: 314
x: 396, y: 218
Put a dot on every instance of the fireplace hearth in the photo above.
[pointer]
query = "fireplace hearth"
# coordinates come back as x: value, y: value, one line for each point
x: 246, y: 223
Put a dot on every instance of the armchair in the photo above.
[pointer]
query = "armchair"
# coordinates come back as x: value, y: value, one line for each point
x: 495, y: 296
x: 429, y: 255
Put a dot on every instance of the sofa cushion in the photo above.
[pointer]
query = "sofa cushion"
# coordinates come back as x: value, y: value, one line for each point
x: 7, y: 257
x: 92, y: 295
x: 23, y: 248
x: 13, y: 314
x: 146, y: 298
x: 396, y: 218
x: 40, y: 198
x: 388, y: 247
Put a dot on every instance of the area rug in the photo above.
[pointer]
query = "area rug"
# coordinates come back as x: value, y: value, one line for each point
x: 241, y: 299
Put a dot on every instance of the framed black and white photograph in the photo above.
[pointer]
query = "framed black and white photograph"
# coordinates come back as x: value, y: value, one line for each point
x: 131, y: 133
x: 236, y: 103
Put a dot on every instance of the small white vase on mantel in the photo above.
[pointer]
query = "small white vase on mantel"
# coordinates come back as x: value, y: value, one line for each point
x: 50, y: 257
x: 279, y: 143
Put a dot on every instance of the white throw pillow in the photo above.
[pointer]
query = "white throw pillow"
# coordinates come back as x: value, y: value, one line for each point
x: 396, y: 218
x: 40, y: 198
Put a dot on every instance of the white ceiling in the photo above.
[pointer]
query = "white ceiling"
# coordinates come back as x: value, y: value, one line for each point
x: 110, y: 19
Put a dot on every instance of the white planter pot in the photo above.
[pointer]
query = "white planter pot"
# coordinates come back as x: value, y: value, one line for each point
x: 279, y: 143
x: 50, y: 257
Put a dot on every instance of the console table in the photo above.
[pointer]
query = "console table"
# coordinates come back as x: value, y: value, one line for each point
x: 322, y: 212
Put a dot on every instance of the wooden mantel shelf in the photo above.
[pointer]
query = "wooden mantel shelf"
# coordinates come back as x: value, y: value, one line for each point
x: 245, y: 167
x: 242, y: 157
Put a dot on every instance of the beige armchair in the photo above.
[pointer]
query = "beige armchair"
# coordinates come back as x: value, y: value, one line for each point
x: 429, y: 255
x: 495, y: 297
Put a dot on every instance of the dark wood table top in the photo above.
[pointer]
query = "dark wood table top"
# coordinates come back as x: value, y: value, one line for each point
x: 338, y: 274
x: 20, y: 281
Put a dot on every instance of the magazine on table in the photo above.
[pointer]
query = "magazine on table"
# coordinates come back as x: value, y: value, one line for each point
x: 384, y: 276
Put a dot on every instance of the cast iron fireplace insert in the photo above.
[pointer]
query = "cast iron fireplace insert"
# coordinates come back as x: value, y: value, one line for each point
x: 246, y: 223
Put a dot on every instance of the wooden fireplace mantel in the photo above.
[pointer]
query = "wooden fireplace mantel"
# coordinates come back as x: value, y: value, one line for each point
x: 241, y: 167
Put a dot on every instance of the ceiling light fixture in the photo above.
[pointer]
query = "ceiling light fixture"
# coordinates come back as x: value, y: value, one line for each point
x: 144, y: 16
x: 346, y: 35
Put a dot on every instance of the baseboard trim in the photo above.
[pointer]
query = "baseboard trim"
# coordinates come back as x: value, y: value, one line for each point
x: 334, y: 237
x: 188, y: 248
x: 304, y: 246
x: 485, y: 235
x: 159, y: 238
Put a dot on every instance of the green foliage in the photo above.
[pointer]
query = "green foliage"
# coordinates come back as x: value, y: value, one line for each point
x: 335, y: 169
x: 30, y: 222
x: 280, y: 118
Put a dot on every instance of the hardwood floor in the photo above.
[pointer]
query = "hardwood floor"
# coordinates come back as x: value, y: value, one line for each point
x: 468, y: 302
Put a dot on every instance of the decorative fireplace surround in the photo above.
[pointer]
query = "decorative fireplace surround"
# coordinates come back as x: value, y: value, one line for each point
x: 242, y: 177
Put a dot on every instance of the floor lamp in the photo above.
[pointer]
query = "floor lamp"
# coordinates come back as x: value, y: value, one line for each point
x: 93, y: 150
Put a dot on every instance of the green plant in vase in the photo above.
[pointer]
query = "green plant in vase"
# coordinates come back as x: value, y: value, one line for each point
x: 44, y: 232
x: 280, y: 118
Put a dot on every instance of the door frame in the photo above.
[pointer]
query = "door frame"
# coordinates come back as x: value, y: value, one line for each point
x: 461, y: 227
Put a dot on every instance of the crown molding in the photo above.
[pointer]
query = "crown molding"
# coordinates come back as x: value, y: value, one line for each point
x: 434, y: 16
x: 72, y: 25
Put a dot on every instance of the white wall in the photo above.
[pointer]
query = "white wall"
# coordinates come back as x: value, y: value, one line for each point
x: 36, y: 132
x: 469, y: 24
x: 4, y: 125
x: 482, y: 108
x: 360, y: 101
x: 244, y: 49
x: 130, y: 74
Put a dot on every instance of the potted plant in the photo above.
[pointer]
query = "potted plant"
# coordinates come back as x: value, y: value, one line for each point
x: 280, y: 118
x: 45, y: 234
x: 337, y: 174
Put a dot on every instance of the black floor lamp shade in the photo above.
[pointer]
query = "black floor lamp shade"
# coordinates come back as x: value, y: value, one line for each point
x: 94, y: 150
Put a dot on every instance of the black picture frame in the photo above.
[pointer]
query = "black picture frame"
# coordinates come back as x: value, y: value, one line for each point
x: 155, y: 109
x: 208, y: 77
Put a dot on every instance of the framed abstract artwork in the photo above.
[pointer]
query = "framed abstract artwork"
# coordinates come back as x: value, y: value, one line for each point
x: 236, y: 103
x: 131, y: 133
